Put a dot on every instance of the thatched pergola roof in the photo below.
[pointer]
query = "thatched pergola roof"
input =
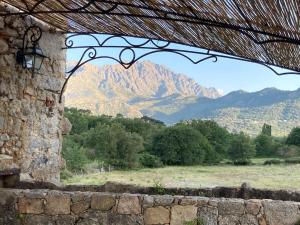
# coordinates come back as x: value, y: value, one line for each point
x: 265, y: 31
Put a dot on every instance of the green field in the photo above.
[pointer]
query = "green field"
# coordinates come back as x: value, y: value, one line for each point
x: 260, y: 176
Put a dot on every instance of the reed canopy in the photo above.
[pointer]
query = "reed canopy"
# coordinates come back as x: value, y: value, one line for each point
x: 265, y: 31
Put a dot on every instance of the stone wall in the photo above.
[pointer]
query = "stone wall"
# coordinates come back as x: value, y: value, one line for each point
x: 30, y: 114
x: 40, y: 207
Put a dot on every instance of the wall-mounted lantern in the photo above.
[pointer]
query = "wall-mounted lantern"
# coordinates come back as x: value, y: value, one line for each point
x: 31, y: 55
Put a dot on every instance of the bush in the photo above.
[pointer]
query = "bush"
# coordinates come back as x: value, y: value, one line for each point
x: 180, y: 145
x: 241, y: 149
x: 242, y: 162
x: 150, y: 161
x: 293, y: 161
x: 273, y: 162
x: 294, y: 137
x: 74, y: 155
x: 65, y: 174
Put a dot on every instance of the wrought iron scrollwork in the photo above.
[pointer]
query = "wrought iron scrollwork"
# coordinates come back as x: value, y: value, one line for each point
x: 137, y: 51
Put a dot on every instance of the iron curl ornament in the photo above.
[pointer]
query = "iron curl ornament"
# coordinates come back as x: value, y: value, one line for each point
x: 130, y: 50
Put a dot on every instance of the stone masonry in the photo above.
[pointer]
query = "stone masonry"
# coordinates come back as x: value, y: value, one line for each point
x: 40, y: 207
x: 31, y: 118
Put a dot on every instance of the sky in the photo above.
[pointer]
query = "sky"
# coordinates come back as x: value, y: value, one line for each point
x: 226, y: 75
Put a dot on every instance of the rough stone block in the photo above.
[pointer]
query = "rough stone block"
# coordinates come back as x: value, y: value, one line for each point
x: 163, y: 200
x: 92, y: 217
x: 148, y: 201
x: 157, y: 215
x: 31, y: 205
x: 125, y: 219
x: 3, y: 46
x: 181, y: 214
x: 209, y: 214
x: 231, y: 207
x: 279, y: 212
x: 57, y: 203
x: 102, y: 202
x: 129, y: 204
x: 80, y: 207
x: 229, y: 220
x: 253, y: 207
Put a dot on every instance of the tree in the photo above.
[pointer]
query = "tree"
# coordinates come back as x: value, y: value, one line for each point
x: 115, y: 146
x: 74, y: 155
x: 264, y: 145
x: 180, y: 145
x: 217, y: 136
x: 266, y: 130
x: 241, y: 148
x: 294, y: 137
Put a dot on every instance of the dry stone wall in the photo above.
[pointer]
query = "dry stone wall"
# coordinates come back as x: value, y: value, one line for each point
x: 30, y: 113
x: 51, y: 207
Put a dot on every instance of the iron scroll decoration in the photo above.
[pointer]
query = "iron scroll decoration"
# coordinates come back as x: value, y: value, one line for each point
x: 149, y: 46
x: 144, y: 48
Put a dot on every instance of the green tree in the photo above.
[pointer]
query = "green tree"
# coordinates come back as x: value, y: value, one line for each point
x: 217, y: 136
x: 74, y: 155
x: 180, y: 145
x: 264, y: 145
x: 241, y: 148
x: 116, y: 146
x: 294, y: 137
x: 266, y: 130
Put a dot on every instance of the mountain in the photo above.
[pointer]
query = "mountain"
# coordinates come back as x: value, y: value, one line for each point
x: 242, y: 111
x: 154, y: 90
x: 111, y: 89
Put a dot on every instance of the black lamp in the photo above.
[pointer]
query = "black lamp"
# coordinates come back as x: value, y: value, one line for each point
x: 31, y: 55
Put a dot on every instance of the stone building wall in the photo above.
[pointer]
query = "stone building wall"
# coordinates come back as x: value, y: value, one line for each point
x: 40, y: 207
x: 30, y: 114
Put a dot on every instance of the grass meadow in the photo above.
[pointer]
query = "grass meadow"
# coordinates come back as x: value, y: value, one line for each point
x: 283, y: 176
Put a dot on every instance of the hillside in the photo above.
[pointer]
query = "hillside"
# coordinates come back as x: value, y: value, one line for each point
x: 111, y: 89
x: 154, y: 90
x: 245, y: 111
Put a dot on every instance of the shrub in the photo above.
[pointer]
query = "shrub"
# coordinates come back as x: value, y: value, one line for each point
x: 294, y: 137
x: 74, y: 155
x: 242, y: 162
x: 180, y: 145
x: 293, y: 161
x: 273, y: 162
x: 151, y: 161
x: 65, y: 174
x: 241, y: 149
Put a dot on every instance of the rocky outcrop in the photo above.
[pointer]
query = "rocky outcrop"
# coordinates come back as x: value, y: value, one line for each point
x: 111, y: 89
x: 41, y: 207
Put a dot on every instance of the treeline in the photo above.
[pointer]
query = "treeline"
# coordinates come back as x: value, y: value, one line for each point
x: 125, y: 143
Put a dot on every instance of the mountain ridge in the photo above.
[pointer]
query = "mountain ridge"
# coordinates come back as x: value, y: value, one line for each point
x: 154, y: 90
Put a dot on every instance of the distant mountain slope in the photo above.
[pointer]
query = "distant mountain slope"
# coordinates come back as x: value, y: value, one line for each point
x: 111, y: 89
x: 244, y: 111
x: 154, y: 90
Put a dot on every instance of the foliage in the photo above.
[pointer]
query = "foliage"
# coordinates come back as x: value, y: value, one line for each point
x: 116, y: 146
x: 288, y: 151
x: 241, y: 148
x: 159, y: 188
x: 180, y: 145
x: 151, y: 161
x: 198, y: 221
x: 293, y: 161
x: 266, y: 130
x: 264, y: 145
x: 294, y: 137
x: 74, y: 155
x: 217, y: 136
x: 273, y: 162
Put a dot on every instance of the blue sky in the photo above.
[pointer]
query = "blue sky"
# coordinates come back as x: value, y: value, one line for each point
x: 227, y: 75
